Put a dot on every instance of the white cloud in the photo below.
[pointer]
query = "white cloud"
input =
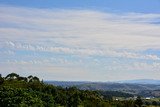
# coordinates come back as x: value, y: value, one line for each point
x: 79, y: 32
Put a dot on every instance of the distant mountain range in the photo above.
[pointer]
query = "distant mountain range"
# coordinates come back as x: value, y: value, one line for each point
x: 141, y: 84
x: 143, y: 87
x: 73, y: 83
x: 65, y: 83
x: 141, y: 81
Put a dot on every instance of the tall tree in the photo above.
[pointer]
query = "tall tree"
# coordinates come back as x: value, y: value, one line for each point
x: 139, y: 102
x: 12, y: 76
x: 1, y: 79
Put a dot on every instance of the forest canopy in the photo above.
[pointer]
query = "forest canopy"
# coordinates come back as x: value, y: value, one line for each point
x: 19, y: 91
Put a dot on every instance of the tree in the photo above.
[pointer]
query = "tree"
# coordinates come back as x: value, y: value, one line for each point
x: 154, y: 103
x: 36, y: 79
x: 33, y: 79
x: 138, y: 101
x: 30, y: 78
x: 12, y: 76
x: 1, y: 79
x: 22, y: 78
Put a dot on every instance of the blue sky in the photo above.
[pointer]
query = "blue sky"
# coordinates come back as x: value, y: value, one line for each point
x: 143, y: 6
x: 80, y: 40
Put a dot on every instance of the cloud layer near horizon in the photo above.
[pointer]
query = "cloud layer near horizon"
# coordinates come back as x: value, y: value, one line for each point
x: 91, y: 42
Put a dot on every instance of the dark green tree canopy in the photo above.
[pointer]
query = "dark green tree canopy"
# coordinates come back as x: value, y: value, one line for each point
x: 12, y: 76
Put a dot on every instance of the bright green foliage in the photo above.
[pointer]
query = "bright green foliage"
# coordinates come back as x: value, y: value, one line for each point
x: 11, y: 97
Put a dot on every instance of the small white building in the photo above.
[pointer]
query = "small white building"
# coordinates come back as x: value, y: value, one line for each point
x: 116, y: 99
x: 148, y: 98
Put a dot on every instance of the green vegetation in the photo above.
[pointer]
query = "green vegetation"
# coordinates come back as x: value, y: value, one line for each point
x: 18, y: 91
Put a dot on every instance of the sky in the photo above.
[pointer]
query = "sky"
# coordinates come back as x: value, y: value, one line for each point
x: 80, y: 40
